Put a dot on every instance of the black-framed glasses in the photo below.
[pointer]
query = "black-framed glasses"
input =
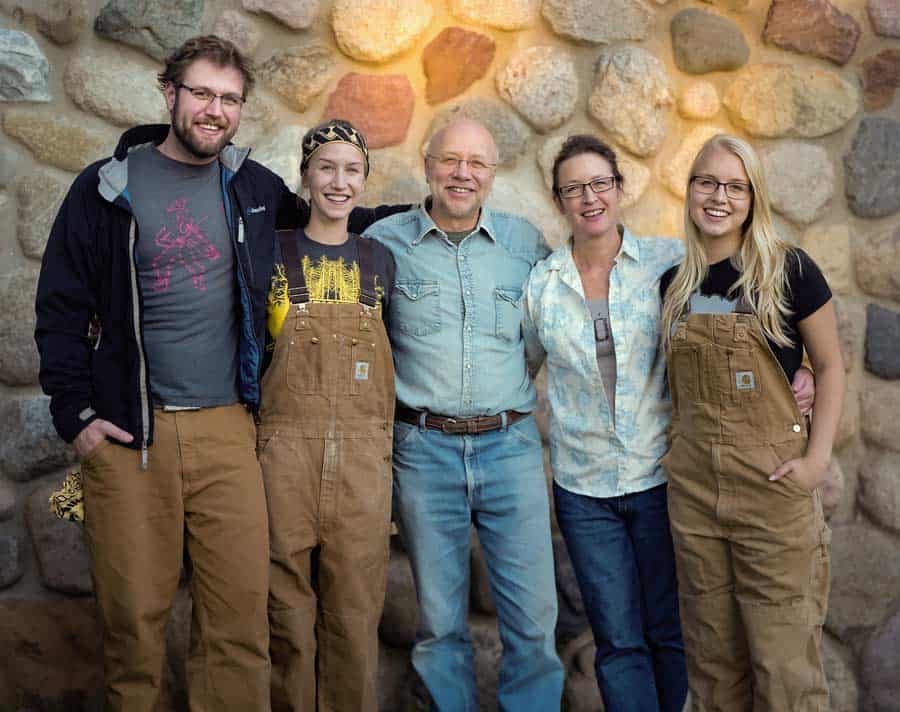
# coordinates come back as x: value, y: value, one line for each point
x: 708, y: 186
x: 597, y: 185
x: 451, y: 163
x: 207, y: 96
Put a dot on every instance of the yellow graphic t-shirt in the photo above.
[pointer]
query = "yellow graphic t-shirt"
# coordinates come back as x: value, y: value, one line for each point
x: 332, y: 277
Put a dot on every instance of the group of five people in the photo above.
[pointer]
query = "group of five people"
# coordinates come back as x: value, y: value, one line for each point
x: 185, y: 292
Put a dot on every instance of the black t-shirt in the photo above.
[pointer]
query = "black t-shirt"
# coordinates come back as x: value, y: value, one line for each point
x: 332, y: 276
x: 807, y: 293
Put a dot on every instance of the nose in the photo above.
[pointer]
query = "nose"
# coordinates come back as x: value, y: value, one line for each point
x: 588, y: 195
x: 461, y: 172
x: 339, y: 179
x: 215, y: 107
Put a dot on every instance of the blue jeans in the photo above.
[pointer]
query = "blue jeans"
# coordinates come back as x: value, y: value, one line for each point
x: 442, y: 485
x: 621, y: 550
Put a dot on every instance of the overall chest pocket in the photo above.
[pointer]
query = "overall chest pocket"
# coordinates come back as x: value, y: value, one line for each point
x: 507, y: 312
x: 416, y: 307
x: 305, y: 359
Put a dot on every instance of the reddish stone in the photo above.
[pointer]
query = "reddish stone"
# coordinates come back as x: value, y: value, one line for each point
x: 885, y: 17
x: 380, y: 106
x: 454, y: 60
x: 813, y: 27
x: 880, y: 77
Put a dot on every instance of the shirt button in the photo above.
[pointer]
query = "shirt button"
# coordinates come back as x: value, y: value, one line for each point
x: 796, y: 427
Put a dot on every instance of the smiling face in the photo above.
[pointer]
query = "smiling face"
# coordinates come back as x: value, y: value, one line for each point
x: 336, y: 179
x: 717, y: 216
x: 457, y: 190
x: 201, y: 129
x: 589, y: 214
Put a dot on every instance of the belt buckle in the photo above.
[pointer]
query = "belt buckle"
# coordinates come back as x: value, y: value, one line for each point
x: 445, y: 423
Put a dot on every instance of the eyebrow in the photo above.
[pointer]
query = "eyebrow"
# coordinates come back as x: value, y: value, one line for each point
x: 715, y: 178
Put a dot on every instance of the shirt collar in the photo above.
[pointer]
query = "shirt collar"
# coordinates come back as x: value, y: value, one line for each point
x: 427, y: 227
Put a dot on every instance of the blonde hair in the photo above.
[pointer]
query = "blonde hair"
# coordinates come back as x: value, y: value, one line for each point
x: 761, y: 259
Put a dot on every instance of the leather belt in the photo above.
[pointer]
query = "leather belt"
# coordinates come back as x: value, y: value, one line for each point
x: 458, y: 426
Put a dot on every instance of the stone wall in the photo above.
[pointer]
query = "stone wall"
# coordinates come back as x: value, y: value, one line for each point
x: 811, y: 83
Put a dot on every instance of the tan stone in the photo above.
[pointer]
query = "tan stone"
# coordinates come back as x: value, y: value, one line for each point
x: 881, y: 425
x: 730, y: 5
x: 295, y: 14
x: 801, y: 179
x: 19, y: 362
x: 97, y: 84
x: 63, y: 21
x: 699, y: 100
x: 541, y: 84
x: 454, y: 60
x: 778, y: 100
x: 258, y: 118
x: 59, y: 140
x: 676, y: 170
x: 376, y: 30
x: 877, y: 259
x: 298, y: 74
x: 502, y: 14
x: 379, y: 105
x: 39, y: 195
x: 239, y: 29
x: 598, y: 22
x: 829, y: 246
x: 630, y: 98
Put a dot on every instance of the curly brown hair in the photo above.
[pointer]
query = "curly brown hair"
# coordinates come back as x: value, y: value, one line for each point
x: 212, y: 48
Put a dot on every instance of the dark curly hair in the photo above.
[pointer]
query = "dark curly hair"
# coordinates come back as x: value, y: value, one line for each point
x: 585, y: 143
x: 212, y: 48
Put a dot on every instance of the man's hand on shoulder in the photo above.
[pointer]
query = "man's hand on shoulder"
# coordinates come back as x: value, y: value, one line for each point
x: 95, y: 433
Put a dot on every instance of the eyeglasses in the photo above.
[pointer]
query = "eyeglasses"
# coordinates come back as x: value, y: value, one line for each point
x: 452, y: 163
x: 708, y: 186
x: 598, y: 185
x: 207, y: 96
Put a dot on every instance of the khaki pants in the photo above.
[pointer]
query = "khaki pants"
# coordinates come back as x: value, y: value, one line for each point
x: 752, y: 555
x: 202, y: 493
x: 325, y: 451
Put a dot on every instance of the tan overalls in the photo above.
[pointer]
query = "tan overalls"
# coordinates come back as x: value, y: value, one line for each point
x: 751, y: 555
x: 325, y: 450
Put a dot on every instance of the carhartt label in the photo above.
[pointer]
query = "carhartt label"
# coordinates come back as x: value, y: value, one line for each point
x: 362, y: 371
x: 745, y: 380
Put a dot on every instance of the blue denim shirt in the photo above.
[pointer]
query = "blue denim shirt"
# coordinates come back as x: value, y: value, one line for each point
x: 455, y: 312
x: 589, y: 453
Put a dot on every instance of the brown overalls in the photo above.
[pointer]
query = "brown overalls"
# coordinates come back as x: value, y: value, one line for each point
x: 751, y: 555
x: 325, y: 450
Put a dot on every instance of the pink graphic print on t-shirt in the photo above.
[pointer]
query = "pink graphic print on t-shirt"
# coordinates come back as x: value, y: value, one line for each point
x: 190, y: 248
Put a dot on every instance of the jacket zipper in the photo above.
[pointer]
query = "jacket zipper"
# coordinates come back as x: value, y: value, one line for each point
x: 142, y: 362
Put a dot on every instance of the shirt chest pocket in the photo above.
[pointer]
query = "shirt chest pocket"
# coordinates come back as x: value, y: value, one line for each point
x: 415, y: 307
x: 507, y: 312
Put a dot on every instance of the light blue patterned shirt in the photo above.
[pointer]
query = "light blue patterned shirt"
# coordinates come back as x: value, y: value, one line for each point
x: 455, y: 313
x: 590, y: 454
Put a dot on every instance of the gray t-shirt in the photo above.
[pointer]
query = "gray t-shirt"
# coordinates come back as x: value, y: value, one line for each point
x: 606, y: 349
x: 186, y: 271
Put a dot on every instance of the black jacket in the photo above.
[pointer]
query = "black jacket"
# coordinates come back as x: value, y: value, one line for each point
x: 89, y: 306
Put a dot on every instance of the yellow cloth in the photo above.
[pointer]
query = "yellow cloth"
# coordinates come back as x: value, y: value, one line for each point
x: 68, y: 501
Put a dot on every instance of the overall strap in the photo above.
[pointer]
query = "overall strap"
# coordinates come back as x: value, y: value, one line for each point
x: 367, y: 296
x: 298, y: 292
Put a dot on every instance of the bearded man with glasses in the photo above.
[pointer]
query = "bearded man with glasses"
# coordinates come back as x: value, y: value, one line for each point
x: 151, y: 311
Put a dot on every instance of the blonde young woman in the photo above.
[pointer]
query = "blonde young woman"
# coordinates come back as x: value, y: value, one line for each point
x: 750, y: 538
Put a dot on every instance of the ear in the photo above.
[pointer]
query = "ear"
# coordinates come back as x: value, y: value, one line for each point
x: 557, y: 201
x: 169, y: 93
